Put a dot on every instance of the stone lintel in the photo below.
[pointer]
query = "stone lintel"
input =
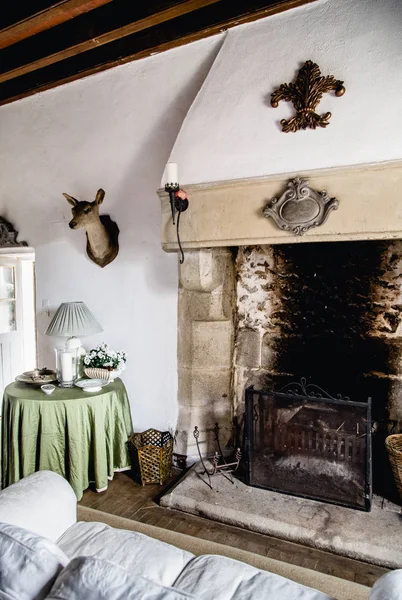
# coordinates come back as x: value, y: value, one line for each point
x: 230, y: 213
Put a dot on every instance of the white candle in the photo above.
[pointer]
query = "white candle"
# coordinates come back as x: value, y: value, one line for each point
x: 67, y: 366
x: 172, y: 175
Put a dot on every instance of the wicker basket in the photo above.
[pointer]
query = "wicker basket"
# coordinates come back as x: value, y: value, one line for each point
x: 154, y: 451
x: 393, y: 444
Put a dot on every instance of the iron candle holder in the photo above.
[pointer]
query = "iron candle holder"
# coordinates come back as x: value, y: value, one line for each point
x: 179, y: 204
x: 171, y: 189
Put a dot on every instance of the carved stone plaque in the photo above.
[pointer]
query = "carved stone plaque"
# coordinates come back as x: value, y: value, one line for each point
x: 300, y: 208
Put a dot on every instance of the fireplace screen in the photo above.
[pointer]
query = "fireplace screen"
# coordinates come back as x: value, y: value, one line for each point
x: 302, y: 441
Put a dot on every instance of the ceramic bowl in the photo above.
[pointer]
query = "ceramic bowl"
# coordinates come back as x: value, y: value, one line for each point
x: 91, y: 385
x: 48, y: 388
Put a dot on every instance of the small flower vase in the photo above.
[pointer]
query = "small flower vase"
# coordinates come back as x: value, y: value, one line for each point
x: 99, y: 373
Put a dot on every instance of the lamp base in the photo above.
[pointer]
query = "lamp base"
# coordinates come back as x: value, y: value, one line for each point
x: 66, y: 384
x: 73, y: 342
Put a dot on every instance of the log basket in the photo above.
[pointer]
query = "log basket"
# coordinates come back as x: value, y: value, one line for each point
x: 152, y: 451
x: 393, y: 444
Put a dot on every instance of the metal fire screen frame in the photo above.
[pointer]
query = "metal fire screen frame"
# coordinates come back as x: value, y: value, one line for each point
x: 306, y: 393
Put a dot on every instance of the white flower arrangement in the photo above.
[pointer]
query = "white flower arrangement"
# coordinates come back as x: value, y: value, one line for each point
x: 103, y: 357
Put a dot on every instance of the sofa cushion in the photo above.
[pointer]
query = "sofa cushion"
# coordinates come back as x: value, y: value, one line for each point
x: 43, y: 502
x: 92, y: 578
x: 388, y: 587
x: 223, y: 578
x: 29, y: 563
x: 134, y: 551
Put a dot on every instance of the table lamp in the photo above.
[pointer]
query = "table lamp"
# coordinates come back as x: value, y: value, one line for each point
x: 72, y: 320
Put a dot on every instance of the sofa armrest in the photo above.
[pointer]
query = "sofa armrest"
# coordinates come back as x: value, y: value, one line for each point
x: 43, y: 503
x: 388, y: 587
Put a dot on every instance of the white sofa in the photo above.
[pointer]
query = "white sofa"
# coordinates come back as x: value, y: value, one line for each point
x: 46, y: 553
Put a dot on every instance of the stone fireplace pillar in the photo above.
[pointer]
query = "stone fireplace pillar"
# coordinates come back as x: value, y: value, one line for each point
x: 205, y: 348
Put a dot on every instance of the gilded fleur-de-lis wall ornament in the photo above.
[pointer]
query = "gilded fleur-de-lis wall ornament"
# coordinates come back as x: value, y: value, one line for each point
x: 305, y: 94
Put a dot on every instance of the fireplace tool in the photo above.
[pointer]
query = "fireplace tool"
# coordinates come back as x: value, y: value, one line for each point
x: 218, y: 461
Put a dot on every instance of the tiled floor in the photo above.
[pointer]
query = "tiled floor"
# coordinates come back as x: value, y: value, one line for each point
x: 126, y: 498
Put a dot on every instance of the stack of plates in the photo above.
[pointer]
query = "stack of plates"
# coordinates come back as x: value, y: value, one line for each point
x: 91, y: 385
x: 37, y: 377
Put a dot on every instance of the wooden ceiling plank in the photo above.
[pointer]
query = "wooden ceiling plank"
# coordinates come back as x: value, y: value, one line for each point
x: 155, y: 19
x: 50, y: 17
x: 109, y: 17
x: 192, y: 36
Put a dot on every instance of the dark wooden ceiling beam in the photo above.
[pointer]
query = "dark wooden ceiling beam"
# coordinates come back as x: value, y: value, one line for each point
x: 47, y: 18
x: 204, y: 23
x: 185, y: 7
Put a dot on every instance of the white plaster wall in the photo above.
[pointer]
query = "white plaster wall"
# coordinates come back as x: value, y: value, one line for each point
x: 113, y: 130
x: 231, y: 130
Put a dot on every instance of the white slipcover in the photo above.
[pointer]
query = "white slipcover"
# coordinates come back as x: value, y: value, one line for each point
x: 388, y: 587
x: 43, y: 503
x: 29, y: 564
x: 91, y: 578
x: 219, y: 578
x: 134, y: 551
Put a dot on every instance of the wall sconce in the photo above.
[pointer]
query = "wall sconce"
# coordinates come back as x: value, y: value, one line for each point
x: 178, y: 199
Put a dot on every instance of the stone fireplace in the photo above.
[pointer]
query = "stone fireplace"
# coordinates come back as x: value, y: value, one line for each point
x: 259, y: 306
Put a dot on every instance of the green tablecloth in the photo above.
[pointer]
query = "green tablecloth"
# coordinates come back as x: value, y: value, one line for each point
x: 80, y: 435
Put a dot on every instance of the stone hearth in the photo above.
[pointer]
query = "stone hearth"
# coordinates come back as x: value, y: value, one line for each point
x: 373, y: 537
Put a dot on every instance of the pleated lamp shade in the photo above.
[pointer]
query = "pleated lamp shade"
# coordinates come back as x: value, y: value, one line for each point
x: 73, y: 319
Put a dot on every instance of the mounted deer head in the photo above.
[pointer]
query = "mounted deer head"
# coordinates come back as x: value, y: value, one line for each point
x: 102, y: 232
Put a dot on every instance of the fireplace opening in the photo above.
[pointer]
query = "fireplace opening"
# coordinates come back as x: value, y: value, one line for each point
x: 329, y: 312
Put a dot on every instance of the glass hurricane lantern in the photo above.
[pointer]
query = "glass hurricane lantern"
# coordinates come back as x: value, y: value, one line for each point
x: 66, y: 366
